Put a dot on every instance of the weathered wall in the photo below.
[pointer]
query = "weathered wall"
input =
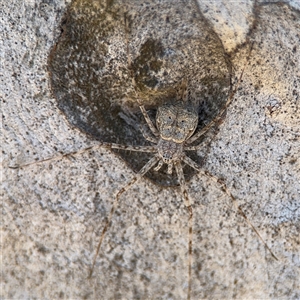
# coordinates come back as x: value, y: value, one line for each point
x: 53, y: 211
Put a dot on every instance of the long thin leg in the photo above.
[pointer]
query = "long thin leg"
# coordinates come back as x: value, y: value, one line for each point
x: 204, y: 144
x: 181, y: 180
x: 148, y: 137
x: 140, y: 174
x: 149, y: 149
x: 142, y: 108
x: 148, y: 120
x: 226, y: 190
x: 219, y: 116
x: 191, y: 163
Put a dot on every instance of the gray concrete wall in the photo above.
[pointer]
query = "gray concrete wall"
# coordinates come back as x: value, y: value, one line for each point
x: 54, y: 211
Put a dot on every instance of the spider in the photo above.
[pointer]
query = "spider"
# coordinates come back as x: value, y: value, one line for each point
x: 172, y: 135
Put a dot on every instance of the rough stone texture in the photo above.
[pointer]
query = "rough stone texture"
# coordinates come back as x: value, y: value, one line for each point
x: 53, y: 211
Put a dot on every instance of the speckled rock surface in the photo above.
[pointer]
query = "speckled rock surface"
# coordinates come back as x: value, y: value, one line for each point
x: 54, y: 211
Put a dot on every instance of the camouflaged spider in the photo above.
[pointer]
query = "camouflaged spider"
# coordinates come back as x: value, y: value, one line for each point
x: 172, y: 136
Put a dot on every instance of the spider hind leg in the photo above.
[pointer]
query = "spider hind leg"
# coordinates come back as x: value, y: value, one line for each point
x: 140, y: 174
x: 179, y: 171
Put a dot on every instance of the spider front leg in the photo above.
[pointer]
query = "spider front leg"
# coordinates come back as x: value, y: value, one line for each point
x: 233, y: 199
x: 147, y: 136
x: 148, y: 120
x: 220, y: 114
x: 148, y: 149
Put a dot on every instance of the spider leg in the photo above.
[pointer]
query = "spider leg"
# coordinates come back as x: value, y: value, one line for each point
x: 182, y: 183
x: 216, y: 119
x: 194, y: 148
x: 219, y: 116
x: 148, y: 137
x: 140, y: 174
x: 160, y: 164
x: 233, y: 199
x: 142, y: 108
x: 191, y: 163
x: 148, y: 120
x: 151, y: 149
x: 204, y: 144
x: 170, y: 168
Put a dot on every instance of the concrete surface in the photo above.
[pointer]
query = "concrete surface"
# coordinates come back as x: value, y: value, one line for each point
x: 53, y: 211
